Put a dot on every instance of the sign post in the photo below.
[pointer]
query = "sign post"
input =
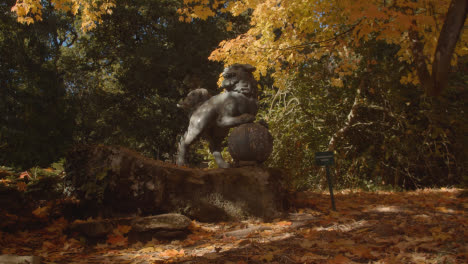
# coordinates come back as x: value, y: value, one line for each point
x: 326, y: 159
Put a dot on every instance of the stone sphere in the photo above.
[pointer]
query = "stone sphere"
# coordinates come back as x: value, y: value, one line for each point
x: 250, y: 142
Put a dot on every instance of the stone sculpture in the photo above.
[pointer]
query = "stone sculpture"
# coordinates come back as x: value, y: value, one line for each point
x: 212, y: 118
x: 250, y: 144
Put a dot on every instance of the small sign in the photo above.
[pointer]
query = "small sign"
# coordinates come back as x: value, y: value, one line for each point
x: 324, y: 158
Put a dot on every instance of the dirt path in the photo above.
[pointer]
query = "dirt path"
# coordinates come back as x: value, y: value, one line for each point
x: 425, y: 226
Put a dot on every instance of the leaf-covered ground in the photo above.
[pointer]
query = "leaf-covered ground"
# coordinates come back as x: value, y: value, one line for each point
x: 425, y: 226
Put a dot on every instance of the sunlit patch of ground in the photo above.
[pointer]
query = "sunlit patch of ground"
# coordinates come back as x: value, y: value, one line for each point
x: 424, y: 226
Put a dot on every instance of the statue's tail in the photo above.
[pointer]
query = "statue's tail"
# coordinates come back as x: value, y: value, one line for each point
x: 194, y: 99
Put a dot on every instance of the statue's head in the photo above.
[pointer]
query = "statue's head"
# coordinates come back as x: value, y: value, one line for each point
x: 194, y: 99
x: 239, y: 78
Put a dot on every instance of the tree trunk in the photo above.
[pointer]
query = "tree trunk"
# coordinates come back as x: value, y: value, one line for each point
x: 114, y: 181
x: 434, y: 83
x: 446, y: 43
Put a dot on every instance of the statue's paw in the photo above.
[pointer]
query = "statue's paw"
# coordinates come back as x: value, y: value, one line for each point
x: 180, y: 163
x: 249, y: 118
x: 224, y: 166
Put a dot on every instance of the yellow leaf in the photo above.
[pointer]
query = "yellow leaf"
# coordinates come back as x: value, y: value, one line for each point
x: 229, y: 26
x: 336, y: 82
x: 147, y: 250
x: 29, y: 20
x: 267, y: 257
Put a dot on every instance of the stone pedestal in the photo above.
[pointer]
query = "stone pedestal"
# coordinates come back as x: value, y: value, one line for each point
x: 117, y: 182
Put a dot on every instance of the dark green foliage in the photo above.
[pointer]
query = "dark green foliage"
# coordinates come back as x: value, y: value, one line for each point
x: 127, y: 75
x: 117, y: 85
x: 36, y: 120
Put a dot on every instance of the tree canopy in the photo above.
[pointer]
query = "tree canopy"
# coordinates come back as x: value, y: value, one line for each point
x: 334, y: 75
x: 285, y: 34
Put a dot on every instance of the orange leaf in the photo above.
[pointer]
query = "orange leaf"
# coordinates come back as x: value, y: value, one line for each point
x: 21, y: 186
x: 172, y: 253
x: 47, y: 245
x: 122, y: 229
x: 117, y: 240
x: 24, y: 174
x: 58, y: 225
x: 41, y: 212
x: 284, y: 223
x: 362, y: 252
x: 5, y: 181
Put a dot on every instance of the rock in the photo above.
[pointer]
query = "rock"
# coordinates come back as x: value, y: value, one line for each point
x: 251, y: 142
x: 117, y: 182
x: 160, y: 222
x: 165, y: 226
x: 13, y: 259
x: 98, y: 228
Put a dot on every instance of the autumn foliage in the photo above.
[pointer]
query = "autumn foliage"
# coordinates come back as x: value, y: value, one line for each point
x: 90, y: 11
x: 286, y: 34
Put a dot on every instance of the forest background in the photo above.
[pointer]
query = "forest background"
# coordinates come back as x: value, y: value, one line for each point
x: 346, y: 76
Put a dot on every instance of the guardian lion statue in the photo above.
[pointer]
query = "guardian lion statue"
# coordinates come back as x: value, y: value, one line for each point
x: 212, y: 117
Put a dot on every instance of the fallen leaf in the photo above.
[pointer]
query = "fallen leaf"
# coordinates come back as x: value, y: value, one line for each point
x: 47, y: 245
x: 152, y: 242
x: 24, y: 174
x: 267, y: 257
x: 343, y: 243
x: 212, y: 256
x: 41, y: 212
x: 340, y: 259
x: 116, y: 240
x: 58, y: 225
x: 172, y: 253
x: 284, y: 223
x: 147, y: 250
x: 5, y: 181
x: 311, y: 257
x: 334, y: 214
x: 101, y: 246
x: 21, y: 186
x: 122, y: 229
x: 306, y: 243
x: 362, y: 252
